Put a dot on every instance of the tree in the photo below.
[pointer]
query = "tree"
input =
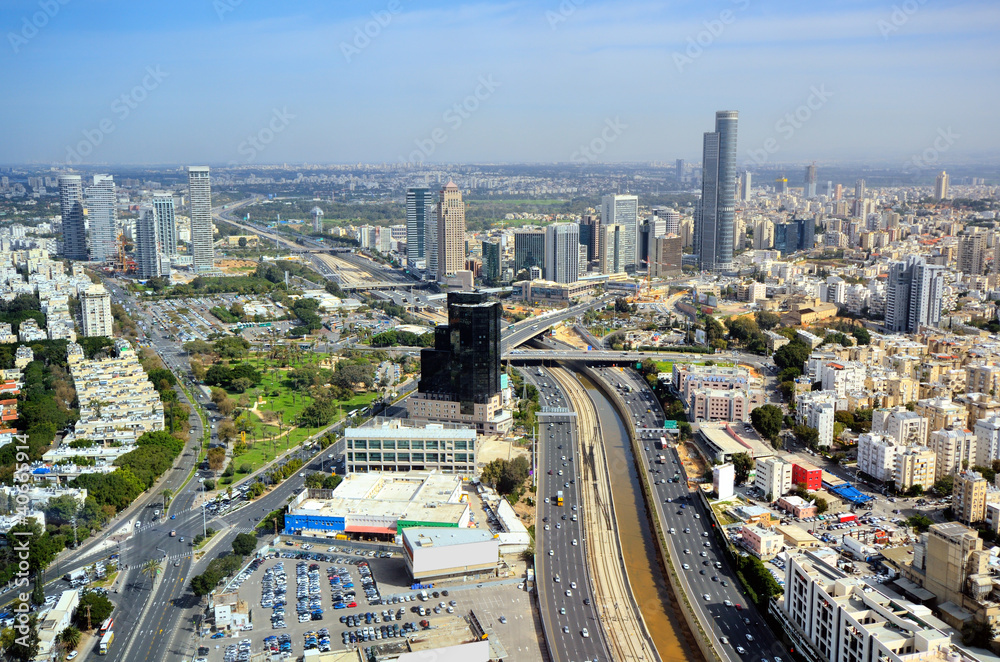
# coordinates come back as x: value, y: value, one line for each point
x: 789, y: 374
x: 25, y: 646
x: 70, y: 637
x: 218, y: 395
x: 767, y: 320
x: 216, y: 458
x: 861, y: 334
x: 244, y: 544
x: 766, y: 419
x: 792, y: 355
x: 167, y: 494
x: 226, y: 406
x: 38, y: 591
x: 978, y: 633
x: 920, y: 522
x: 944, y: 485
x: 227, y: 431
x: 151, y: 568
x: 100, y: 609
x: 742, y: 463
x: 242, y: 242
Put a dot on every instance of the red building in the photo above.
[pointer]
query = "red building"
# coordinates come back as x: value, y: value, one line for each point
x: 808, y: 475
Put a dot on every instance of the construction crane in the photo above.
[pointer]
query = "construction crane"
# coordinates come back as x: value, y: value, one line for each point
x: 123, y: 263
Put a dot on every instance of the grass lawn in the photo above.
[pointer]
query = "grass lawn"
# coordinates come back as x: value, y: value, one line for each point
x: 665, y: 366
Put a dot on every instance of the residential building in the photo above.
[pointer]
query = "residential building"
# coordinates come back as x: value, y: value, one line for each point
x: 982, y: 378
x: 941, y: 186
x: 74, y: 228
x: 969, y: 497
x: 877, y: 456
x: 796, y: 506
x: 971, y: 252
x: 200, y: 196
x: 914, y: 293
x: 830, y: 615
x: 166, y: 223
x: 906, y: 428
x: 774, y: 477
x: 451, y: 232
x: 623, y: 210
x: 529, y: 250
x: 987, y: 431
x: 562, y: 252
x: 724, y: 405
x: 808, y: 475
x: 147, y: 244
x: 955, y: 449
x: 714, y: 217
x: 102, y: 219
x: 843, y: 377
x: 762, y: 543
x: 915, y: 465
x: 397, y: 445
x: 95, y: 310
x: 940, y: 413
x: 419, y: 205
x: 816, y: 409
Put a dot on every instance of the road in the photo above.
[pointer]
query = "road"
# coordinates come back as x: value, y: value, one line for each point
x: 693, y: 541
x: 563, y: 616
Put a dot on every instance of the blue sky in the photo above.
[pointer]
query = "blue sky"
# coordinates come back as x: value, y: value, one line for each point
x: 272, y: 82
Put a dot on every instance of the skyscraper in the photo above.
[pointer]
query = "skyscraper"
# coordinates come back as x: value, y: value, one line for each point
x: 103, y: 219
x: 590, y: 235
x: 623, y: 210
x: 941, y: 186
x: 612, y: 249
x: 745, y: 185
x: 451, y: 232
x: 679, y: 167
x: 419, y: 205
x: 810, y: 181
x: 166, y: 223
x: 491, y: 261
x: 74, y: 230
x: 971, y: 253
x: 671, y: 219
x: 529, y: 249
x: 147, y: 244
x: 562, y: 252
x: 200, y: 194
x: 714, y: 217
x: 913, y: 295
x: 95, y: 310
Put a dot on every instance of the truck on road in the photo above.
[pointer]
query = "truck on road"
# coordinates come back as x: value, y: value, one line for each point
x: 559, y: 498
x: 75, y: 575
x: 662, y: 459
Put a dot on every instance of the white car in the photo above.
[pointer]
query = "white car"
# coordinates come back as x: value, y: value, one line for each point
x: 706, y: 597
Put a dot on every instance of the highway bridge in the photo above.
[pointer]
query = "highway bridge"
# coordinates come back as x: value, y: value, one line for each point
x: 604, y: 357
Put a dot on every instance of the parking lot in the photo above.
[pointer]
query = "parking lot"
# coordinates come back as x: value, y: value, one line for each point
x: 303, y: 596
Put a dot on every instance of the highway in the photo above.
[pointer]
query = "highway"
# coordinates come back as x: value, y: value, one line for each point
x: 527, y: 329
x: 693, y: 542
x: 559, y: 541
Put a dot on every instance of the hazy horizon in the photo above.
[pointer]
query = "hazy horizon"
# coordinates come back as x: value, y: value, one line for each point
x: 577, y: 81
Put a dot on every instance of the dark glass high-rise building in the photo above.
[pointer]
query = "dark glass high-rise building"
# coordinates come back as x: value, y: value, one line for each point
x: 419, y: 204
x: 714, y: 227
x: 491, y: 262
x: 590, y: 236
x: 465, y: 360
x: 529, y: 249
x: 71, y: 206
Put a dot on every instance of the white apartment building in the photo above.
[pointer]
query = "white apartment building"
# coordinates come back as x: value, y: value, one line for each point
x: 987, y: 431
x: 877, y: 456
x: 843, y: 377
x: 774, y: 477
x: 96, y: 312
x: 832, y: 616
x: 907, y: 428
x: 955, y: 449
x: 816, y: 409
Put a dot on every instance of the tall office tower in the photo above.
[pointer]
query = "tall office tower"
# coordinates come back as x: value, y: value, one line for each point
x: 451, y: 232
x: 781, y: 185
x: 810, y: 181
x: 419, y: 205
x: 796, y: 235
x: 529, y: 249
x: 590, y: 235
x: 651, y: 228
x: 714, y: 216
x: 166, y: 223
x: 103, y: 219
x: 829, y: 189
x: 431, y: 243
x: 941, y: 186
x: 562, y: 252
x: 671, y: 219
x: 745, y: 185
x: 612, y: 249
x: 838, y: 192
x: 624, y: 210
x: 74, y: 229
x: 763, y: 235
x: 913, y: 295
x: 147, y: 244
x: 317, y: 218
x: 491, y: 261
x: 200, y: 195
x: 859, y: 190
x: 971, y: 253
x: 679, y: 166
x: 464, y: 363
x: 665, y: 256
x: 95, y: 308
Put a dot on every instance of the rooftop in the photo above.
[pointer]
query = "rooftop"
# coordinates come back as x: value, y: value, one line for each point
x: 429, y: 536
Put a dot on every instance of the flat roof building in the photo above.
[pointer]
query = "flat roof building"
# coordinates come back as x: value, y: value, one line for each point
x: 436, y: 553
x: 396, y: 445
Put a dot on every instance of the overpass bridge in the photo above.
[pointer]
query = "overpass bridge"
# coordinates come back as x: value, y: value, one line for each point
x: 594, y: 357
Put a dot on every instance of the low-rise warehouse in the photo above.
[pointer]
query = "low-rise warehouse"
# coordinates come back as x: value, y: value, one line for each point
x: 435, y: 553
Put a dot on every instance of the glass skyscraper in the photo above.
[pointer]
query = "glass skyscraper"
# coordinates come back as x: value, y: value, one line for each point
x: 166, y: 222
x: 200, y: 192
x: 714, y: 228
x: 419, y: 205
x: 74, y: 231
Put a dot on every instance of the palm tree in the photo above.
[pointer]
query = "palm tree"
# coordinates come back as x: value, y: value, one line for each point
x: 70, y: 637
x: 167, y: 495
x: 151, y: 569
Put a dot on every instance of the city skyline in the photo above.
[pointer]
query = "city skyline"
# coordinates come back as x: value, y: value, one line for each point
x: 269, y: 74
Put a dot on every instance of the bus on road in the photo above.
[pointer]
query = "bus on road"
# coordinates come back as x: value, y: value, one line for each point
x: 559, y: 498
x: 106, y: 626
x: 105, y: 644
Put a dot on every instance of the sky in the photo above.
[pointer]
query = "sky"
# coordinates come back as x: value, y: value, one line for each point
x: 252, y: 82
